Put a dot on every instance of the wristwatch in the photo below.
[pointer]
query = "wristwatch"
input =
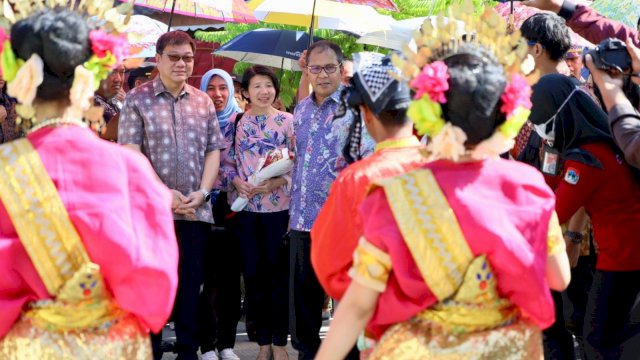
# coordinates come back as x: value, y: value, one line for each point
x: 207, y: 194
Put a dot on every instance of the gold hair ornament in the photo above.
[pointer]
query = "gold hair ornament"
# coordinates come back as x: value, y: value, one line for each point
x: 425, y: 72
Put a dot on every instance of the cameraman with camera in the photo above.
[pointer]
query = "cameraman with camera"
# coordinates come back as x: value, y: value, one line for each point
x: 586, y: 22
x: 587, y: 170
x: 624, y: 119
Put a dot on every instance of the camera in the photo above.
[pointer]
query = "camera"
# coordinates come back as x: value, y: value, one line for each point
x: 611, y: 55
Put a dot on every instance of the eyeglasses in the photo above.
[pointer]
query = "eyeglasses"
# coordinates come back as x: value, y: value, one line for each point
x: 329, y: 69
x: 175, y: 58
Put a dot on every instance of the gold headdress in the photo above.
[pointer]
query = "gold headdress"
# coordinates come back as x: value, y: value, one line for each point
x: 488, y: 30
x: 100, y: 9
x: 427, y: 75
x: 108, y: 46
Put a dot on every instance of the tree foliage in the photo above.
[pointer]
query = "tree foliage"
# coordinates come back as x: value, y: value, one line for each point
x: 290, y: 79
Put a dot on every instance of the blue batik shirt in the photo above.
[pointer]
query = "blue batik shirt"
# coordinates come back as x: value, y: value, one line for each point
x: 319, y: 142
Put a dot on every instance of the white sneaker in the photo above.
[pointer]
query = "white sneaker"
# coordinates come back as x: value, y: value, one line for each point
x: 209, y: 355
x: 228, y: 354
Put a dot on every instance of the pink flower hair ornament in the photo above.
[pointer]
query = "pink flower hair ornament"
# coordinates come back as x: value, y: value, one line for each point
x: 432, y: 80
x: 3, y: 37
x: 426, y: 111
x: 516, y: 94
x: 103, y: 43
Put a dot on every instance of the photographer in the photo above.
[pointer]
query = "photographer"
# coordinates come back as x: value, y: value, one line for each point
x: 624, y: 119
x: 586, y: 170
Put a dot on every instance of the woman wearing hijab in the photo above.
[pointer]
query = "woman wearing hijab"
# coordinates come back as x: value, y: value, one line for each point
x: 220, y: 297
x: 591, y: 172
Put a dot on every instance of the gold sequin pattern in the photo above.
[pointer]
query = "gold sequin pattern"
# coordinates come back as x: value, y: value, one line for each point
x: 430, y: 230
x: 416, y: 339
x: 39, y: 216
x: 476, y: 306
x: 124, y: 340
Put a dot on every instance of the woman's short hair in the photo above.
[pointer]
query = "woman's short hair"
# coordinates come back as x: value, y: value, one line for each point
x: 259, y: 70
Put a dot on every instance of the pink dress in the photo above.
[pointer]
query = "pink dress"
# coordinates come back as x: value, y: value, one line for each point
x: 503, y: 209
x: 123, y: 215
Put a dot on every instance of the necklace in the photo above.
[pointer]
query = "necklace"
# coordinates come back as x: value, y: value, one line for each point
x: 56, y: 122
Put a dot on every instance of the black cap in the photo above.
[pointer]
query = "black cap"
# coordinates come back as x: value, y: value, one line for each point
x: 142, y: 71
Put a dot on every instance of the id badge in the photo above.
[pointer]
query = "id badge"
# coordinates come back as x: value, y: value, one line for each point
x: 550, y: 160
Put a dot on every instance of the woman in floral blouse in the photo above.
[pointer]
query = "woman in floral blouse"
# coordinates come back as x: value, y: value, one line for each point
x: 262, y: 225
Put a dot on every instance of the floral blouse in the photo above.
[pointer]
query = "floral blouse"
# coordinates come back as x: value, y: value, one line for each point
x: 256, y: 135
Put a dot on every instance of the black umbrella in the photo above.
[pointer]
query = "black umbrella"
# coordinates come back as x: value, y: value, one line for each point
x: 269, y: 47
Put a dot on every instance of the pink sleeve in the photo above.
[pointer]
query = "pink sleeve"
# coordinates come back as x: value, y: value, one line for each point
x: 139, y: 254
x: 19, y: 281
x: 378, y: 224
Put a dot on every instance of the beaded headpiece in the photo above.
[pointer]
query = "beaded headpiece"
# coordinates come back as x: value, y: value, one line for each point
x: 109, y: 46
x: 427, y: 74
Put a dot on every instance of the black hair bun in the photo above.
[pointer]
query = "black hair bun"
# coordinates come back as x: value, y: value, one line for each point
x: 61, y: 38
x: 477, y: 80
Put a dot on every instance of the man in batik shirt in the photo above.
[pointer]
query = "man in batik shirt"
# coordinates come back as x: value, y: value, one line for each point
x: 175, y: 126
x: 319, y: 142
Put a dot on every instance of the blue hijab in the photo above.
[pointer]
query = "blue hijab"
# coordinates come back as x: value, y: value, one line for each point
x: 232, y: 105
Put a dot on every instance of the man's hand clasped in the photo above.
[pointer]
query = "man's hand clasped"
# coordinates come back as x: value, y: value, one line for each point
x: 187, y: 205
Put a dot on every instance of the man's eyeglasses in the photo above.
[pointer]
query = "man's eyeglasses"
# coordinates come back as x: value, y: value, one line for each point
x: 329, y: 69
x: 176, y: 58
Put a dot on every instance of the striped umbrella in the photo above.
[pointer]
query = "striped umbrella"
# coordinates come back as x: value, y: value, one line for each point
x: 326, y: 14
x: 218, y: 10
x: 380, y: 4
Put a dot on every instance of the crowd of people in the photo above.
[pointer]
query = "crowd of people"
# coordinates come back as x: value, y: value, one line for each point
x: 522, y: 200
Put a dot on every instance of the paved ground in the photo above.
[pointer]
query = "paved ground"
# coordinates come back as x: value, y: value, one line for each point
x: 244, y: 348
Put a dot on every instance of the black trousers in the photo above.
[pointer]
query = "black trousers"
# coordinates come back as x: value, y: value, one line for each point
x: 220, y: 300
x: 191, y: 236
x: 609, y: 324
x: 557, y: 340
x: 578, y: 292
x: 306, y: 297
x: 265, y: 271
